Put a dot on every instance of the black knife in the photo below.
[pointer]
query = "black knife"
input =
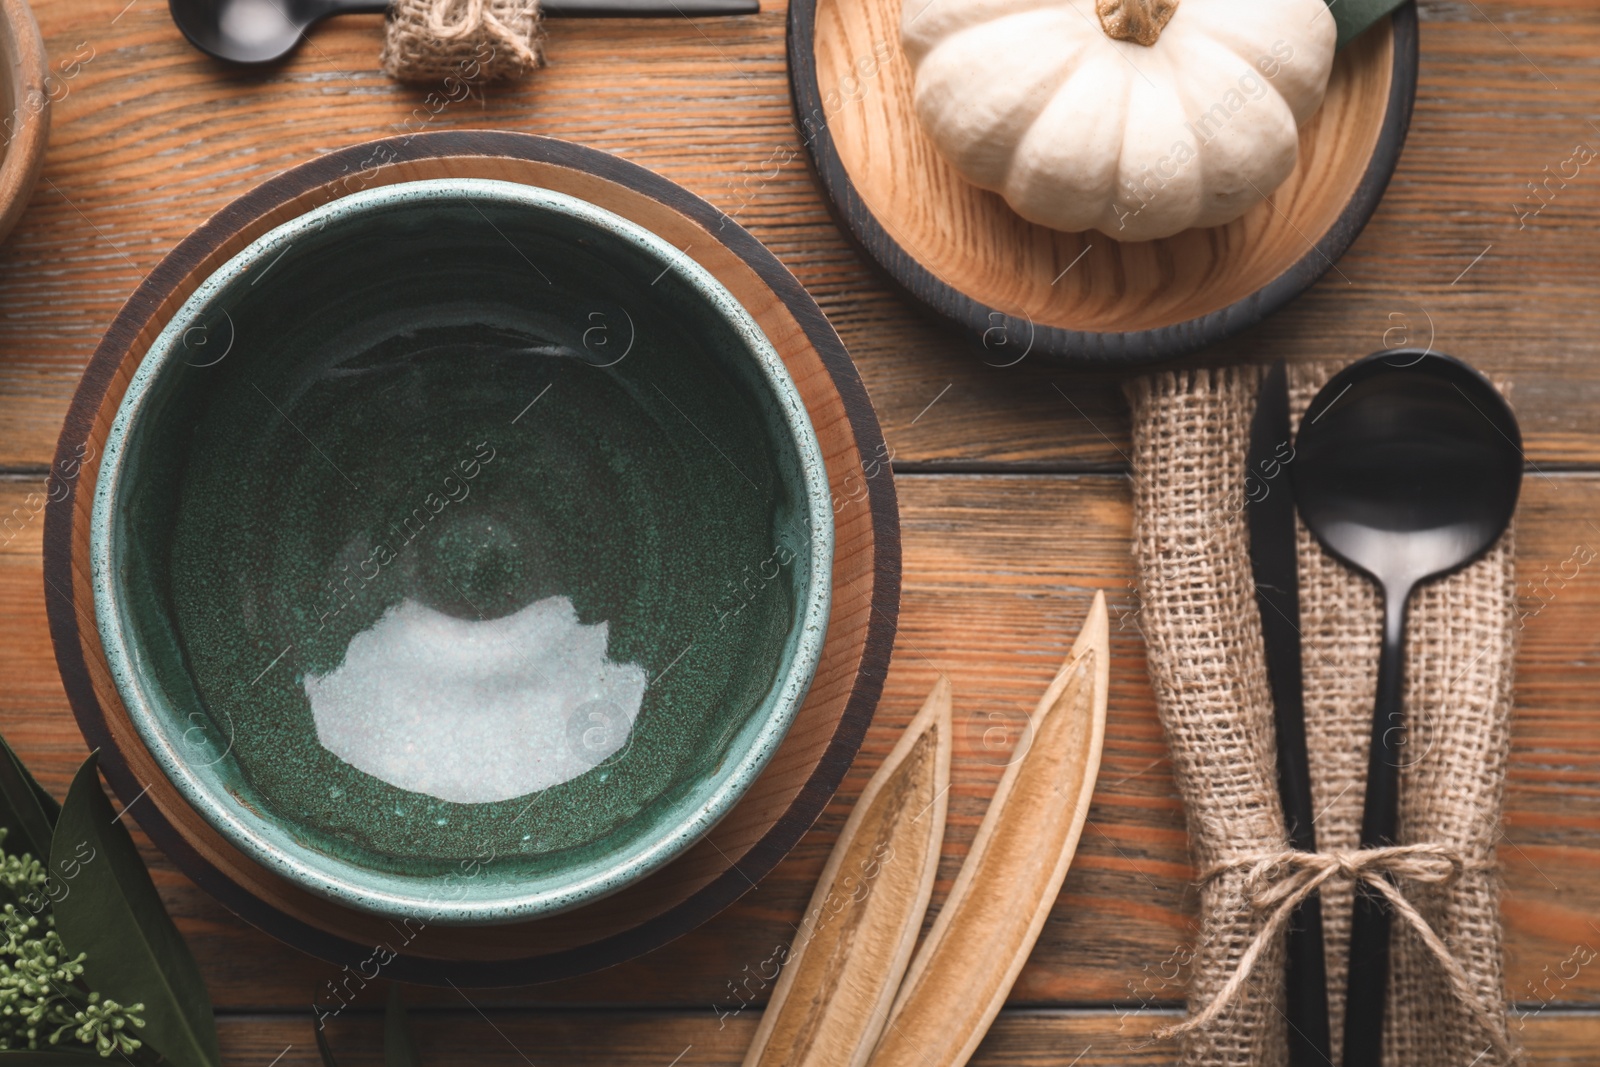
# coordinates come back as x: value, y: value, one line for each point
x: 1273, y: 555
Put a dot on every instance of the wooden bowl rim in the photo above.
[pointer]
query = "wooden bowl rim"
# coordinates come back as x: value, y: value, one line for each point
x: 865, y: 688
x: 1092, y: 348
x: 22, y: 157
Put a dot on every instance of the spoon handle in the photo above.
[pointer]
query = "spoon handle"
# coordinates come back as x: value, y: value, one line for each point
x: 352, y: 7
x: 1367, y: 992
x: 645, y: 9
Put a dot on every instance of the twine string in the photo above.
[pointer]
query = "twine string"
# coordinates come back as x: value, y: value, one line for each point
x: 471, y: 17
x: 1278, y: 881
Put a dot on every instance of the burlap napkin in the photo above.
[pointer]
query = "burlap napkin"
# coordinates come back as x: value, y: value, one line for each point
x: 457, y: 43
x: 1208, y: 668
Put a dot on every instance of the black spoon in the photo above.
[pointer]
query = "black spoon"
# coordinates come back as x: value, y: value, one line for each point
x: 1407, y: 467
x: 260, y: 31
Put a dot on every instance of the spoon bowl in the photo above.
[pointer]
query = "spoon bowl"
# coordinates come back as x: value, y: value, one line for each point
x: 1407, y: 467
x: 256, y: 31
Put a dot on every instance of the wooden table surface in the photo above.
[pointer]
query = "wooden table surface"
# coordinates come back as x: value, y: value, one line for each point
x: 1013, y: 489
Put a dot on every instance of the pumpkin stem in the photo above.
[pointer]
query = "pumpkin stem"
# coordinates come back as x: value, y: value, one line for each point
x: 1135, y: 20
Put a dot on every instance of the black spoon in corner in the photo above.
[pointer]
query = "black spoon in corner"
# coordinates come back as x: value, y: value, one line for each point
x: 1407, y: 467
x: 261, y: 31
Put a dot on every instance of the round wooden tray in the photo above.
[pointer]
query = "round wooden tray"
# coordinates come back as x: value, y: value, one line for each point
x: 25, y: 88
x: 807, y: 768
x: 1021, y: 289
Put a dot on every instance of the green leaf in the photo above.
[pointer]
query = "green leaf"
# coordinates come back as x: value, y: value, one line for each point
x: 1354, y: 16
x: 67, y: 1057
x: 399, y: 1047
x: 322, y: 1043
x: 109, y: 909
x: 26, y: 809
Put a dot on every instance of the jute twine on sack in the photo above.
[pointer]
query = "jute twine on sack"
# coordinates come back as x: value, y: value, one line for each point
x: 467, y: 41
x: 1208, y: 668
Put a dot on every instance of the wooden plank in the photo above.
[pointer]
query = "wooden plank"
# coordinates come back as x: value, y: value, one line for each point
x: 650, y: 1039
x: 998, y: 574
x: 150, y: 138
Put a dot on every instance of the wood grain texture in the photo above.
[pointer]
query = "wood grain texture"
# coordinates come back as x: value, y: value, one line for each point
x: 987, y: 928
x: 1019, y: 1038
x: 854, y: 942
x: 26, y: 88
x: 1022, y: 290
x: 779, y: 805
x: 150, y: 138
x: 998, y: 574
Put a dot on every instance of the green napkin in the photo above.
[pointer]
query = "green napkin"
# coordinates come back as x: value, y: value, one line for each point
x: 1353, y: 16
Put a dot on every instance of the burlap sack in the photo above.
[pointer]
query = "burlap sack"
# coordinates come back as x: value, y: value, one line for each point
x: 1207, y: 665
x: 461, y: 42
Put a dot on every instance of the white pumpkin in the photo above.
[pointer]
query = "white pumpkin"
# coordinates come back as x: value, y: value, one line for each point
x: 1137, y: 118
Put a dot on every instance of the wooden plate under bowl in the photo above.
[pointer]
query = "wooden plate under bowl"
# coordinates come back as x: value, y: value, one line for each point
x: 25, y: 103
x: 808, y: 766
x: 966, y: 255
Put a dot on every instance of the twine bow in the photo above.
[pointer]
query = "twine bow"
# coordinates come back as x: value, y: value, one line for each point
x: 1279, y: 881
x: 474, y: 16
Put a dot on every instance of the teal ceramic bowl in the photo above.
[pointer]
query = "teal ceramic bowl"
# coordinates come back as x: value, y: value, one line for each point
x: 423, y: 550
